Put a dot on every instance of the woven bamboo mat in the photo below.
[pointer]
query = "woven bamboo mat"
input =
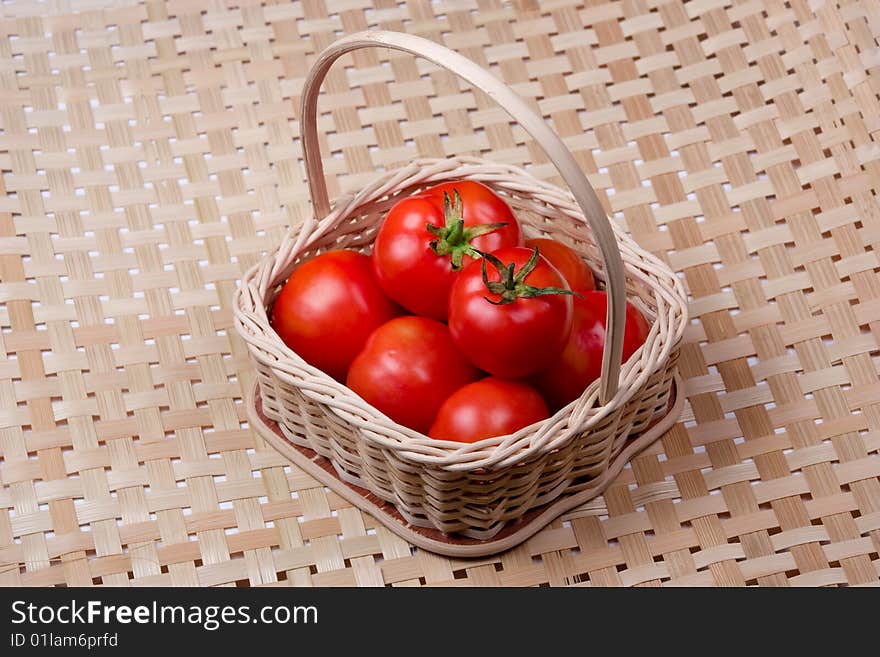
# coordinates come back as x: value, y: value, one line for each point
x: 149, y: 154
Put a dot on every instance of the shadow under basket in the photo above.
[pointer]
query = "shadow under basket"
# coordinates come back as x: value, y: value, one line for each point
x: 454, y: 498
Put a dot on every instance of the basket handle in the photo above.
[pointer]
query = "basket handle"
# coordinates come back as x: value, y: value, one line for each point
x: 530, y: 121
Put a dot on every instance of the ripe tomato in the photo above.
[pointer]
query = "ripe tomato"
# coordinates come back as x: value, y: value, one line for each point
x: 328, y: 308
x: 407, y: 368
x: 428, y: 237
x: 510, y: 313
x: 574, y: 270
x: 581, y: 361
x: 486, y: 408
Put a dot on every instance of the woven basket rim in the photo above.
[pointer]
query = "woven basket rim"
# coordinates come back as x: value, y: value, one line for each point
x: 499, y: 451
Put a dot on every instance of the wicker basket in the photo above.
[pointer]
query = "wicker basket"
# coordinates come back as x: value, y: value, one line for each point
x: 472, y: 489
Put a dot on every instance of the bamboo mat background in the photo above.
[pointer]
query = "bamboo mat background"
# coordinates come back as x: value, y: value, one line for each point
x: 149, y: 154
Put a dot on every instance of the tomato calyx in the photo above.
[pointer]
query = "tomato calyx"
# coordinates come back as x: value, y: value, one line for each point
x: 512, y: 285
x: 453, y: 239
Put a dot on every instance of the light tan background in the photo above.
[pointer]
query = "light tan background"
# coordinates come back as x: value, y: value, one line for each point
x: 149, y: 153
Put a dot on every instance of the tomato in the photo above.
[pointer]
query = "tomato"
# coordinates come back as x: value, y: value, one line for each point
x: 574, y: 270
x: 328, y: 308
x: 510, y: 313
x: 486, y: 408
x: 581, y: 361
x: 408, y: 367
x: 426, y: 238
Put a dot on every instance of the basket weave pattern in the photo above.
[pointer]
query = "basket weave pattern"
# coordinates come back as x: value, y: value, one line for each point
x: 472, y: 489
x: 737, y: 140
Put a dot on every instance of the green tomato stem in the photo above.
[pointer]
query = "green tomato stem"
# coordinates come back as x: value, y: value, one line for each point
x: 453, y: 239
x: 512, y: 285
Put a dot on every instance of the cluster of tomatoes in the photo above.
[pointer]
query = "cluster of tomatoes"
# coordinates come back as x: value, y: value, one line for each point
x: 454, y: 326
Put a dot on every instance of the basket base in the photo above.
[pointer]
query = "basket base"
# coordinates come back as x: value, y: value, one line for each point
x: 433, y: 540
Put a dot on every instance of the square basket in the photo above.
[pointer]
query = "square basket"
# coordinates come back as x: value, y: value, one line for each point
x: 475, y: 489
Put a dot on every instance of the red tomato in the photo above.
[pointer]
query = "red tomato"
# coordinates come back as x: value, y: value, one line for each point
x: 328, y: 308
x: 581, y: 362
x: 574, y: 270
x: 428, y: 237
x: 407, y: 368
x: 486, y: 408
x: 510, y: 313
